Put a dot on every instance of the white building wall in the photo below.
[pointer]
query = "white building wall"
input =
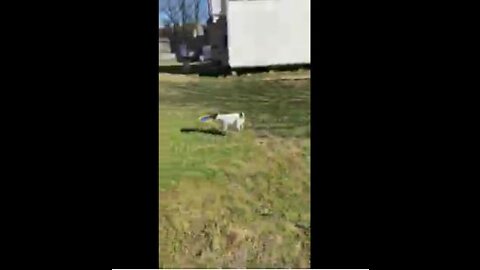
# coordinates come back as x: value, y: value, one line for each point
x: 268, y: 32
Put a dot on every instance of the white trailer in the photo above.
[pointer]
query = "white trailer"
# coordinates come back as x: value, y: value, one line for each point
x: 260, y: 33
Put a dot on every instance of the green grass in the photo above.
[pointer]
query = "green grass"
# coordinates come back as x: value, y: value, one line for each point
x: 242, y: 200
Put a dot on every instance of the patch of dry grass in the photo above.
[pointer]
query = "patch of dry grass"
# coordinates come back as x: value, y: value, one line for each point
x: 258, y: 216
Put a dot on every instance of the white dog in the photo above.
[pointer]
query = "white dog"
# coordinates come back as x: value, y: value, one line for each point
x: 236, y: 120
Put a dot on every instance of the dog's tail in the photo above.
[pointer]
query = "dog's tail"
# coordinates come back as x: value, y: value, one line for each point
x: 208, y: 117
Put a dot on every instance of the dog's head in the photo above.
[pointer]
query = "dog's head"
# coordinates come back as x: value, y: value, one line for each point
x: 242, y: 115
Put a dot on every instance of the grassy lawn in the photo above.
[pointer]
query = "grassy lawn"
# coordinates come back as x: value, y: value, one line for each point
x: 169, y: 62
x: 242, y: 200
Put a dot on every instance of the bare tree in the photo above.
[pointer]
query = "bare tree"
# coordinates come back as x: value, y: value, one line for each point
x: 196, y: 8
x: 181, y: 11
x: 171, y: 10
x: 183, y: 5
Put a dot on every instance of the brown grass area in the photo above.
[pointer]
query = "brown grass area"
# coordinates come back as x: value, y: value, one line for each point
x: 251, y: 220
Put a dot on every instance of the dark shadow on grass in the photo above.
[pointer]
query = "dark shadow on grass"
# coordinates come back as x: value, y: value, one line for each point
x: 254, y: 70
x: 215, y: 70
x: 211, y: 131
x: 202, y: 69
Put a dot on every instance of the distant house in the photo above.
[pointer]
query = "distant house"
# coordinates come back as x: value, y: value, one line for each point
x: 251, y: 33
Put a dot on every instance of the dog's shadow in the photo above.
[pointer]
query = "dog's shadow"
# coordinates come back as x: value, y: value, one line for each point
x: 211, y: 131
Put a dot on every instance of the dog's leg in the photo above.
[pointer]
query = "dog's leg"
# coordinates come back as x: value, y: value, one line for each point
x: 224, y: 126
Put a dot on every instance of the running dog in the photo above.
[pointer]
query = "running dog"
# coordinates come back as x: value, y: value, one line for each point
x: 235, y: 120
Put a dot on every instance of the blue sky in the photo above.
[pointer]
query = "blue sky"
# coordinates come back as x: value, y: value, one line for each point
x: 203, y: 13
